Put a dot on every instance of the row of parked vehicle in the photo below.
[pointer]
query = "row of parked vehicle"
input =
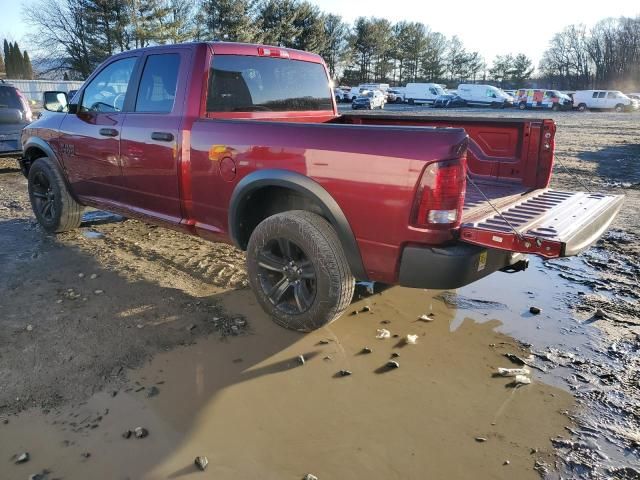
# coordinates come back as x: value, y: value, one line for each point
x: 375, y: 95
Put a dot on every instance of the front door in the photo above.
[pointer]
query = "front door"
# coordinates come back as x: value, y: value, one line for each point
x: 151, y: 139
x: 90, y: 138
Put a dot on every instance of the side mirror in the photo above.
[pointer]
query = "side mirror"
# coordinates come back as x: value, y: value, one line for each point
x: 55, y: 101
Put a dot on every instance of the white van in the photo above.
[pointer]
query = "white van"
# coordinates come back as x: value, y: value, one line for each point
x: 422, y: 92
x: 604, y: 99
x: 484, y: 95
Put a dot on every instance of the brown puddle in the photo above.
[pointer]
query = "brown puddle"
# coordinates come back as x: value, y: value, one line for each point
x: 248, y: 405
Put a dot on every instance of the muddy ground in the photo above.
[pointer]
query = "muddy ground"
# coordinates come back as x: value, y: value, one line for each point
x: 121, y: 324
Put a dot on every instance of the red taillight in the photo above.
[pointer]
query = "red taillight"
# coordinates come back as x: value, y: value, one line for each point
x: 440, y: 195
x: 272, y: 52
x: 25, y: 105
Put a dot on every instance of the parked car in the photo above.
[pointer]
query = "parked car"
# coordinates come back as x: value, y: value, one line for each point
x: 511, y: 92
x: 537, y: 98
x: 316, y: 199
x: 15, y: 113
x: 603, y: 100
x: 395, y: 95
x: 449, y: 100
x: 370, y: 99
x: 634, y: 96
x: 484, y: 96
x: 338, y: 94
x: 422, y: 93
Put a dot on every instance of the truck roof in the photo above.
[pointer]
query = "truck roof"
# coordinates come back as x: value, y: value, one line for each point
x: 236, y: 48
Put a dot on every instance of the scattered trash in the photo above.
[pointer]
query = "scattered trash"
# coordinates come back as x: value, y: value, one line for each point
x: 481, y: 439
x: 366, y: 308
x: 535, y: 310
x: 141, y: 432
x: 92, y: 234
x: 385, y: 322
x: 393, y: 364
x: 201, y: 463
x: 522, y: 380
x: 328, y: 357
x: 86, y: 454
x: 81, y: 275
x: 395, y: 355
x: 309, y: 476
x: 506, y: 462
x: 344, y: 373
x: 324, y: 342
x: 355, y: 312
x: 29, y: 328
x: 515, y: 359
x: 93, y: 276
x: 301, y: 359
x: 153, y: 391
x: 98, y: 292
x: 426, y: 318
x: 512, y: 372
x: 411, y: 339
x: 382, y: 333
x: 22, y: 458
x: 127, y: 434
x: 366, y: 350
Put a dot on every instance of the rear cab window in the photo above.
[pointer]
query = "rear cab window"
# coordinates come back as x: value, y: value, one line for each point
x: 239, y: 83
x: 157, y: 90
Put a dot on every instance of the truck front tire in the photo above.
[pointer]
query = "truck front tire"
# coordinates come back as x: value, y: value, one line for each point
x: 54, y: 207
x: 298, y: 270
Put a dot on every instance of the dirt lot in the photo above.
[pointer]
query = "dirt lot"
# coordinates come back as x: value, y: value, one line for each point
x: 121, y: 324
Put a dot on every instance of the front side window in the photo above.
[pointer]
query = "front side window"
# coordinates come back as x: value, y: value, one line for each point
x: 252, y: 84
x: 157, y: 89
x: 595, y: 95
x: 491, y: 93
x: 107, y: 90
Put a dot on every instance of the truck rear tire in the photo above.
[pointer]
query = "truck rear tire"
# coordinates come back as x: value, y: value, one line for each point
x: 299, y: 271
x: 54, y: 207
x: 582, y: 107
x: 522, y: 106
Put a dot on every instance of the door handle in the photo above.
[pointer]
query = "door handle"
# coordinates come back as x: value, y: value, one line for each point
x: 162, y: 136
x: 108, y: 132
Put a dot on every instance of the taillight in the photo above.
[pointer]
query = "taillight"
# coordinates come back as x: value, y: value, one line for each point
x: 440, y: 195
x: 25, y: 105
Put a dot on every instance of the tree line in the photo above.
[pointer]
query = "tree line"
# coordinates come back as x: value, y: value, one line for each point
x: 78, y: 34
x: 14, y: 63
x: 605, y: 56
x: 85, y: 32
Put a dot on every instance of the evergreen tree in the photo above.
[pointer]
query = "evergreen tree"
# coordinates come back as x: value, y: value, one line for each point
x: 2, y: 68
x: 7, y: 58
x: 27, y: 72
x: 229, y: 20
x: 277, y: 20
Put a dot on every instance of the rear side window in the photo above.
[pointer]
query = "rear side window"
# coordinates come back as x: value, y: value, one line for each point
x: 157, y: 89
x: 602, y: 94
x: 9, y: 98
x: 253, y: 84
x: 611, y: 95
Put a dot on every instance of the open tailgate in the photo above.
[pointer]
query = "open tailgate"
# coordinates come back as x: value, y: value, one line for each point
x: 546, y: 222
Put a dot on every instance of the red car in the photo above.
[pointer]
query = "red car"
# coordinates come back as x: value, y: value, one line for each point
x: 243, y: 144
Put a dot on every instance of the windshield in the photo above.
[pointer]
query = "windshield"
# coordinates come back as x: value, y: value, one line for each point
x: 248, y: 84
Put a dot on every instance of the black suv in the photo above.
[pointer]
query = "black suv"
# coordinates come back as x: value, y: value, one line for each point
x: 15, y: 113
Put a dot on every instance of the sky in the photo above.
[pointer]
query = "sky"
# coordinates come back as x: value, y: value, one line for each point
x: 493, y: 27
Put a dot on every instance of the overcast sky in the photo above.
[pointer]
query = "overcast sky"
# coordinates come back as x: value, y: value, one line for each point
x: 490, y: 27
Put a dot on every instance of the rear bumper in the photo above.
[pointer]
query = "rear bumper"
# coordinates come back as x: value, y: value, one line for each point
x: 451, y: 267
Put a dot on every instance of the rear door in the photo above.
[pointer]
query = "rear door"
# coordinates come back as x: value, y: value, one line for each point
x: 90, y: 139
x: 151, y: 138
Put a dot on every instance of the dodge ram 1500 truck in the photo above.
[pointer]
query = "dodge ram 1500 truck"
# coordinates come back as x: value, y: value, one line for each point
x: 243, y: 143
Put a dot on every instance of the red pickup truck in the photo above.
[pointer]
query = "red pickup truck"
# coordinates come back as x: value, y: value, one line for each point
x: 243, y: 144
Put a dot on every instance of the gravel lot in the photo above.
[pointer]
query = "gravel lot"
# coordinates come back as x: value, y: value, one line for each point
x: 157, y: 328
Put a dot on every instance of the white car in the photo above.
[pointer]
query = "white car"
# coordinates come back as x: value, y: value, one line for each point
x: 395, y: 95
x: 369, y: 99
x: 603, y: 99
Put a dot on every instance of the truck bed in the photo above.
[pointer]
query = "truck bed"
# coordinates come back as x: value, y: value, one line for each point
x: 483, y: 193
